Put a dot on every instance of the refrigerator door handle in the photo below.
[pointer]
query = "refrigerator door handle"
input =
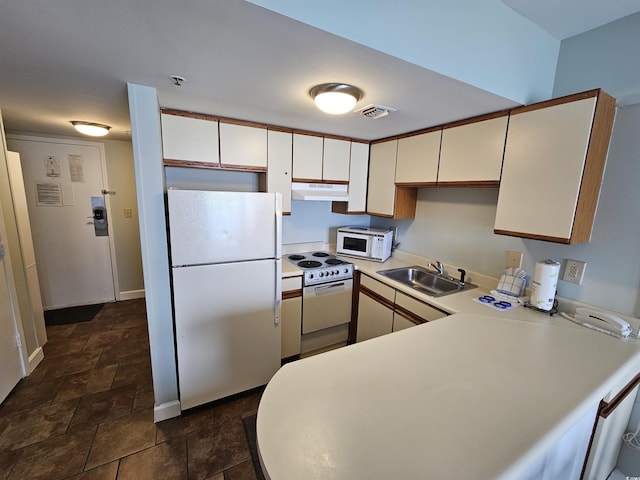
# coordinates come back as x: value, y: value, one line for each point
x: 278, y: 209
x: 278, y: 300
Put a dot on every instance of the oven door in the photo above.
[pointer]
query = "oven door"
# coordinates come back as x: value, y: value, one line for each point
x: 326, y: 305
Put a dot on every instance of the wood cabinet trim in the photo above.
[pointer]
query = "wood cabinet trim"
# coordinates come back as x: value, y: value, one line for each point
x: 406, y: 314
x: 606, y: 408
x: 243, y: 168
x: 377, y: 297
x: 595, y: 161
x: 170, y: 162
x: 470, y: 183
x: 416, y: 184
x: 288, y: 294
x: 315, y: 180
x: 556, y: 101
x: 477, y: 119
x: 405, y: 202
x: 532, y: 236
x: 248, y: 123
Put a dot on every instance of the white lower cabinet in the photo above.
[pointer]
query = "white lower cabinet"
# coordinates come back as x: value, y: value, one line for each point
x: 400, y: 323
x: 374, y: 318
x: 291, y: 316
x: 382, y: 310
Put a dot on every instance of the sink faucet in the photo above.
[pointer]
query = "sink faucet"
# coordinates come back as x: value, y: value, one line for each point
x: 438, y: 266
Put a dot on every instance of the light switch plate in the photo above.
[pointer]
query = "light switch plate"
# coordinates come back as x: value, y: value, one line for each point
x: 574, y: 271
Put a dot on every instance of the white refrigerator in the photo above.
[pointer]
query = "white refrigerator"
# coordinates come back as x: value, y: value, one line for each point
x: 226, y: 272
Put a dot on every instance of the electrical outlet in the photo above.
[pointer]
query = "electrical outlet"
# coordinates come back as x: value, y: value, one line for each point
x: 128, y: 213
x: 574, y: 271
x: 514, y: 259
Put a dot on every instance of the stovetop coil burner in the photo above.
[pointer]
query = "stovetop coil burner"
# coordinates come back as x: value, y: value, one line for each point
x: 309, y: 264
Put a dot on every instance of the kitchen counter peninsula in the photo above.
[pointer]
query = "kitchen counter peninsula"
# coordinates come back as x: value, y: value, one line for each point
x: 472, y: 396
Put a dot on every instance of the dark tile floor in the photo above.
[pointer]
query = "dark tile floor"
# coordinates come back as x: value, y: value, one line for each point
x: 86, y: 412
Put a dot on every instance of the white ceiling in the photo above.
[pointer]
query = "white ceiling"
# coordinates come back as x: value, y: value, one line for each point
x: 64, y: 61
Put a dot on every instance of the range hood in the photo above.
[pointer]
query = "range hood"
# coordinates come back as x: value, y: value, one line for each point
x: 328, y: 192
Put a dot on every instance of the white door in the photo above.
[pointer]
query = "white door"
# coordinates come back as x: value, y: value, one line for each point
x: 61, y: 177
x: 11, y: 370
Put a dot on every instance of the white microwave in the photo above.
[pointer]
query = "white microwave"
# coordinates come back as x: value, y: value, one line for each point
x: 364, y: 242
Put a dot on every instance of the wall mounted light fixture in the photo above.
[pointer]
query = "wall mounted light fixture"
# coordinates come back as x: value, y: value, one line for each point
x: 90, y: 128
x: 335, y: 98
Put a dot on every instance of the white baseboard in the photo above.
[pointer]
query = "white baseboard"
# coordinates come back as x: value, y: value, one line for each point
x: 35, y: 358
x: 131, y: 294
x: 167, y: 410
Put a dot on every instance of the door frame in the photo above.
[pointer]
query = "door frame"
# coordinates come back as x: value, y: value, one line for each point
x: 107, y: 200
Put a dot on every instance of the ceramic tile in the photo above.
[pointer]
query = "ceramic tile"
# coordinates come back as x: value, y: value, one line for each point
x: 31, y: 393
x: 212, y: 454
x: 57, y: 457
x: 103, y: 406
x: 134, y: 373
x: 124, y: 353
x: 85, y: 383
x: 121, y: 437
x: 242, y: 471
x: 32, y: 426
x: 197, y: 420
x: 101, y: 339
x: 165, y: 460
x: 64, y: 346
x: 8, y: 461
x: 103, y: 472
x: 59, y: 366
x: 144, y: 400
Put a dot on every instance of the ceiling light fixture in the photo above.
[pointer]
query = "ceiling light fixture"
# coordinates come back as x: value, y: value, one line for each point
x: 90, y: 128
x: 335, y: 98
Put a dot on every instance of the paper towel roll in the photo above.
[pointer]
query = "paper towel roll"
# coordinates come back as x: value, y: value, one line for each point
x: 543, y: 286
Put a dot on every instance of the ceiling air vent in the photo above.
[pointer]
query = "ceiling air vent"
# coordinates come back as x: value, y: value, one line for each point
x: 375, y: 111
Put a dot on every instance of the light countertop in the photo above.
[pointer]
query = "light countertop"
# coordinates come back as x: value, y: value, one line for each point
x: 472, y: 396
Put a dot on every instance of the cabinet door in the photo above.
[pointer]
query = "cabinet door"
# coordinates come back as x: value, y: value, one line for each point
x: 418, y: 308
x: 243, y: 146
x: 307, y: 157
x: 472, y: 154
x: 335, y: 165
x: 291, y: 315
x: 381, y: 191
x: 189, y: 139
x: 374, y: 319
x: 401, y: 323
x: 358, y: 171
x: 417, y: 161
x: 543, y: 168
x: 279, y: 151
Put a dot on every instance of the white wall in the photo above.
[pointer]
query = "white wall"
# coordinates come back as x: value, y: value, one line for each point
x: 312, y: 221
x: 606, y: 57
x: 483, y: 43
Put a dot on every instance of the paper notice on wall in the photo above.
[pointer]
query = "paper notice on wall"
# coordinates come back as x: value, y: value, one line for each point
x: 51, y: 166
x: 48, y: 194
x: 75, y: 168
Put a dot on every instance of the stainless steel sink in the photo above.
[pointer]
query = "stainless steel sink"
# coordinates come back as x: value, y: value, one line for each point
x: 425, y: 281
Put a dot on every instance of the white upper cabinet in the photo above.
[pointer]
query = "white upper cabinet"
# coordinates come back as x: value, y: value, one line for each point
x: 384, y: 198
x: 358, y: 171
x: 471, y: 154
x: 279, y: 153
x: 336, y: 155
x: 307, y: 157
x: 243, y: 146
x: 189, y: 139
x: 553, y: 166
x: 381, y: 188
x: 417, y: 160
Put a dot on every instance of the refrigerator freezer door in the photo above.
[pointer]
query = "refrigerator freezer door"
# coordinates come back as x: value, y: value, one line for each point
x: 227, y: 329
x: 218, y: 227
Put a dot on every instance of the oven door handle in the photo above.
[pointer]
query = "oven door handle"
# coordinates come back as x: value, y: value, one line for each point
x: 324, y: 289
